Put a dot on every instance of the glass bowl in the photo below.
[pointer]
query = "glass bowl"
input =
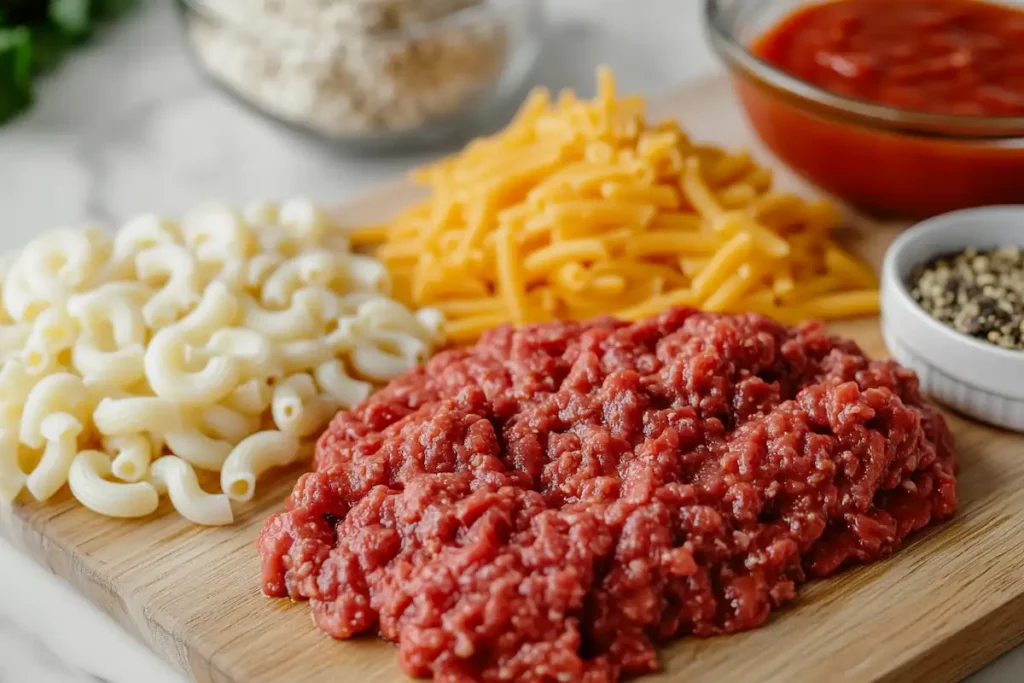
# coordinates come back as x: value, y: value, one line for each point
x: 372, y: 75
x: 884, y: 160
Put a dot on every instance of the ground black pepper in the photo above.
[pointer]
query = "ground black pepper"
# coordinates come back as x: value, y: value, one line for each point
x: 978, y: 293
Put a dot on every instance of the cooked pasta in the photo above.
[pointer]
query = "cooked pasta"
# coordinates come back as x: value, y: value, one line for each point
x: 308, y: 269
x: 136, y: 414
x: 137, y: 235
x: 304, y: 354
x: 167, y: 371
x: 176, y: 477
x: 251, y: 397
x: 53, y: 331
x: 198, y: 449
x: 88, y: 481
x: 581, y: 208
x: 132, y: 455
x: 12, y: 477
x: 128, y: 363
x: 15, y: 382
x: 175, y: 265
x: 13, y: 338
x: 59, y: 393
x: 253, y: 351
x: 60, y: 431
x: 298, y: 407
x: 254, y: 456
x: 223, y: 422
x: 114, y: 367
x: 335, y: 381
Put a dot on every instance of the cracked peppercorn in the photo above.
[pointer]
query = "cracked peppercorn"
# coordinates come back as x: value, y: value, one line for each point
x: 977, y: 292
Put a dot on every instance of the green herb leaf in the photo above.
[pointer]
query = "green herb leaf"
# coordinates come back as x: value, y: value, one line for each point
x: 108, y: 9
x: 19, y: 12
x: 36, y: 34
x: 48, y: 47
x: 15, y: 71
x: 72, y: 17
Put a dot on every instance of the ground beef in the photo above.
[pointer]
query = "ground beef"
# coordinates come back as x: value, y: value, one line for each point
x: 552, y: 503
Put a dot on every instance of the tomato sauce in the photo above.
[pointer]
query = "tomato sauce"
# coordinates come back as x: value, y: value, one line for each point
x: 938, y: 57
x: 956, y: 57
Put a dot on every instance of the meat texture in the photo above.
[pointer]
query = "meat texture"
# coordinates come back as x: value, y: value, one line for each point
x: 552, y: 503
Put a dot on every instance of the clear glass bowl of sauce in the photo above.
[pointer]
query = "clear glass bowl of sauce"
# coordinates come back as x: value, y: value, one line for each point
x: 843, y: 93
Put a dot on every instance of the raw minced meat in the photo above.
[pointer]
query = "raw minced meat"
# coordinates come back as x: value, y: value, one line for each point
x: 552, y: 503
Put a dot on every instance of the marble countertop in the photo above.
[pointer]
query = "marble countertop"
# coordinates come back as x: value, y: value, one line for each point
x: 128, y: 125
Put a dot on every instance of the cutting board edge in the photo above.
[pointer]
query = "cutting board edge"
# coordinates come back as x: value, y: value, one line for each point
x: 100, y: 592
x: 952, y: 660
x: 947, y: 661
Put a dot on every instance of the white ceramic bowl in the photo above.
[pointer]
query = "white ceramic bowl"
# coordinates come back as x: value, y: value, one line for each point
x: 976, y: 378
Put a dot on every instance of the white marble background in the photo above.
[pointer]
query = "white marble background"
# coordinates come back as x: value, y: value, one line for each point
x: 128, y: 125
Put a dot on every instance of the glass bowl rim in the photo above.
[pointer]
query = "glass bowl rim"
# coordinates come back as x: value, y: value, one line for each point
x: 737, y: 55
x: 463, y: 16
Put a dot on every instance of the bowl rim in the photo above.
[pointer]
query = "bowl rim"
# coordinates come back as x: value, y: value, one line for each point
x: 736, y: 54
x: 893, y: 280
x: 460, y: 17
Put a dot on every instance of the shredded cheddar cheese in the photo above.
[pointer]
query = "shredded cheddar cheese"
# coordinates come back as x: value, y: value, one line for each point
x: 582, y: 208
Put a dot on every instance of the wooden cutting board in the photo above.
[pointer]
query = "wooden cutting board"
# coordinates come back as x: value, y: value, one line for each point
x: 941, y: 608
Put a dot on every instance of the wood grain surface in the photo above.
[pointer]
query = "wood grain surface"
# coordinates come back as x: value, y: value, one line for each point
x: 941, y: 608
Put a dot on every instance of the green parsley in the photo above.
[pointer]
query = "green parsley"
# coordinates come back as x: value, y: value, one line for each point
x: 34, y: 37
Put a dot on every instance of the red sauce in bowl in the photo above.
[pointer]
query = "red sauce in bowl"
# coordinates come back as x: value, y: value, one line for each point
x: 961, y: 58
x: 955, y: 57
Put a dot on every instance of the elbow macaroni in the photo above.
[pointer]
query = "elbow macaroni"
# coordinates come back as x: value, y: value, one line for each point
x: 217, y: 309
x: 88, y: 483
x: 294, y: 322
x: 253, y: 351
x: 250, y: 398
x: 53, y: 331
x: 254, y: 456
x: 216, y: 233
x: 58, y: 263
x: 136, y: 414
x: 227, y: 423
x: 12, y: 478
x: 334, y: 380
x: 116, y: 306
x: 177, y: 268
x: 21, y: 303
x: 302, y: 220
x: 379, y: 365
x: 15, y: 381
x: 367, y: 275
x: 55, y: 394
x: 178, y: 479
x: 165, y: 365
x: 61, y: 432
x: 39, y: 362
x: 298, y: 407
x: 13, y: 338
x: 139, y: 234
x: 132, y: 455
x: 118, y: 368
x: 314, y: 268
x: 304, y: 354
x: 127, y: 364
x: 198, y: 449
